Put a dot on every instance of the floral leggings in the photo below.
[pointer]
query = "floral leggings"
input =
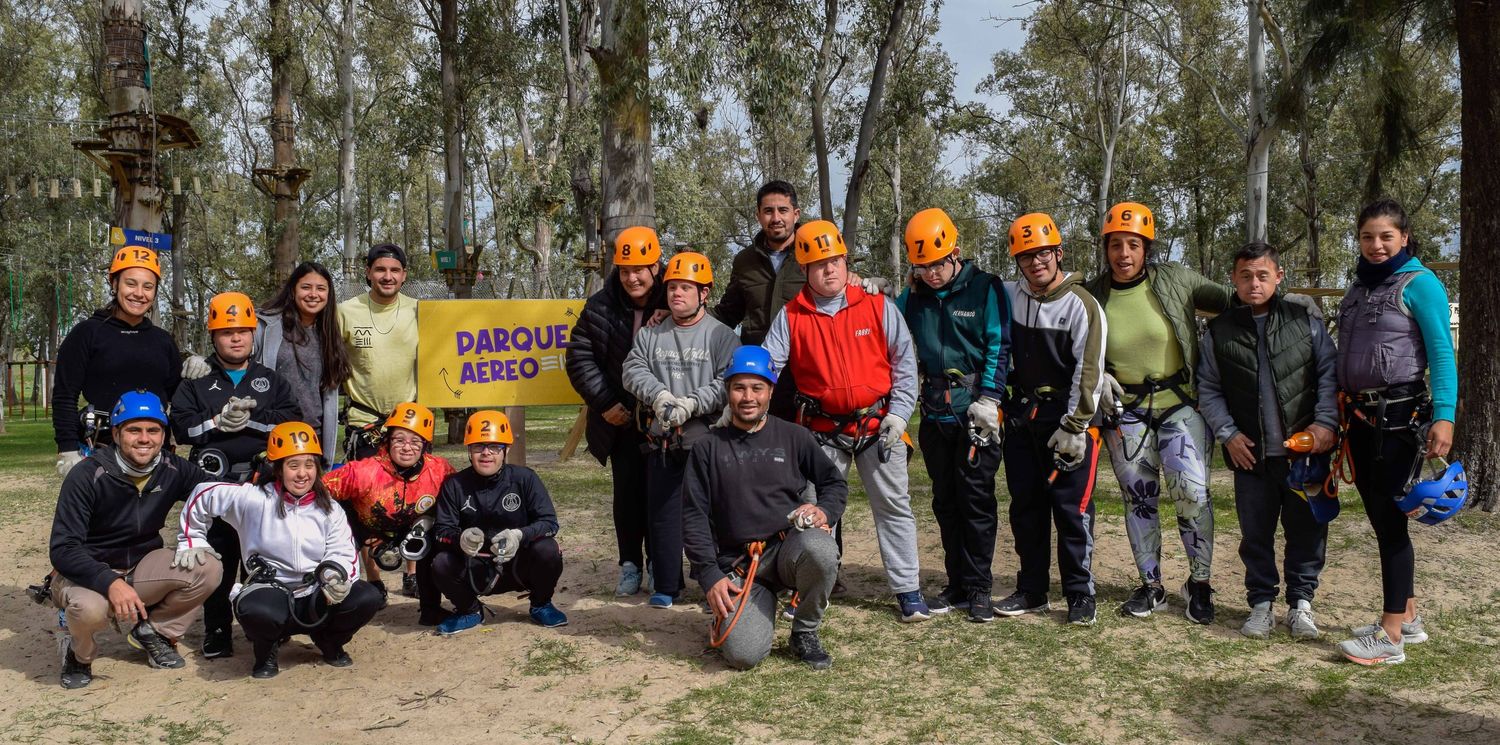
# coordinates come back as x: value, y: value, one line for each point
x: 1174, y: 458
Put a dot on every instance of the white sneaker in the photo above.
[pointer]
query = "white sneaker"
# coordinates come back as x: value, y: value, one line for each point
x: 1411, y: 632
x: 1260, y: 622
x: 1299, y: 620
x: 1375, y: 649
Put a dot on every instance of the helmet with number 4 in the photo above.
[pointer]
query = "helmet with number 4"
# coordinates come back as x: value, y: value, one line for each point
x: 292, y: 438
x: 1130, y: 217
x: 1438, y: 497
x: 637, y: 246
x: 230, y: 310
x: 1033, y: 231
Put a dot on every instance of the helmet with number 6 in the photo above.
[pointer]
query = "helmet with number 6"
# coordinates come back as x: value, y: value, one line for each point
x: 1130, y: 217
x: 292, y: 438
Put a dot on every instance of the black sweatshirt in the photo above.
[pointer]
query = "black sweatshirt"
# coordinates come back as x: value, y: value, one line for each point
x: 740, y: 486
x: 198, y: 401
x: 103, y: 523
x: 103, y: 358
x: 512, y: 498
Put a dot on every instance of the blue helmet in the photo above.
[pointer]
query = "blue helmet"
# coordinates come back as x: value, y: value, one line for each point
x: 1307, y: 476
x: 751, y: 360
x: 137, y: 405
x: 1438, y: 498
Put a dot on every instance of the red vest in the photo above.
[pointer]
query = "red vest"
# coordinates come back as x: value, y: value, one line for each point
x: 840, y: 361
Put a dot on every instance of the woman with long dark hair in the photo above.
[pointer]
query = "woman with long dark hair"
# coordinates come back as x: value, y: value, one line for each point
x: 298, y: 337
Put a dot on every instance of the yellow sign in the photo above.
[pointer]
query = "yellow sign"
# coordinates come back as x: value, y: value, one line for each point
x: 494, y: 352
x: 116, y: 237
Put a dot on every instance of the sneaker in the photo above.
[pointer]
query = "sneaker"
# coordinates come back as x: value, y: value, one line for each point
x: 1081, y: 610
x: 336, y: 657
x: 432, y: 616
x: 409, y: 585
x: 1299, y: 619
x: 1146, y: 599
x: 630, y: 580
x: 1375, y: 649
x: 661, y: 600
x: 913, y: 608
x: 1260, y: 622
x: 981, y: 607
x: 548, y: 616
x: 1019, y: 603
x: 790, y: 611
x: 75, y: 674
x: 1200, y: 602
x: 1411, y: 632
x: 809, y: 649
x: 265, y: 662
x: 160, y: 653
x: 459, y: 622
x: 218, y: 643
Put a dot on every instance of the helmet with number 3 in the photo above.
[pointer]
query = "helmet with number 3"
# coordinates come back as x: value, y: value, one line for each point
x: 1033, y: 231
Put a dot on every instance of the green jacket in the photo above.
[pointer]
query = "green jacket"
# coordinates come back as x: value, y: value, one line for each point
x: 963, y: 327
x: 1182, y: 292
x: 1294, y: 369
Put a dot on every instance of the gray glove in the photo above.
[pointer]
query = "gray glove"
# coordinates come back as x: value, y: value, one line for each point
x: 188, y: 558
x: 799, y: 520
x: 1112, y: 396
x: 659, y: 405
x: 336, y: 591
x: 505, y: 545
x: 195, y: 366
x: 67, y: 459
x: 235, y: 414
x: 984, y: 414
x: 679, y: 411
x: 471, y: 541
x: 877, y: 286
x: 725, y: 417
x: 1069, y: 448
x: 891, y: 429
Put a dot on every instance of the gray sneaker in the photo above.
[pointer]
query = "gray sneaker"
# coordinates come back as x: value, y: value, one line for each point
x: 1411, y: 632
x: 1375, y: 649
x: 1260, y: 622
x: 630, y: 580
x: 1299, y: 620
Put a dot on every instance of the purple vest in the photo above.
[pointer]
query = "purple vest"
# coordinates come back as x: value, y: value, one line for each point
x: 1380, y: 344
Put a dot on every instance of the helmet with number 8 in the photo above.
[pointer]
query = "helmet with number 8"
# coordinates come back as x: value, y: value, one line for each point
x: 292, y: 438
x: 1033, y: 231
x: 930, y: 236
x: 637, y: 246
x: 1130, y: 217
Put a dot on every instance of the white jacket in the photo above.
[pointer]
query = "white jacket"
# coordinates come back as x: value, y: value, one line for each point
x: 293, y: 544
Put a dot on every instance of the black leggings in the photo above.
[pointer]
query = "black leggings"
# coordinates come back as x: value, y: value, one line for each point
x: 223, y: 538
x: 628, y: 467
x: 266, y: 616
x: 1381, y: 478
x: 535, y: 569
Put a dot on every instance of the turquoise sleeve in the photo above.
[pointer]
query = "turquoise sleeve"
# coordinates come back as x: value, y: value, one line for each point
x: 1427, y: 301
x: 901, y: 300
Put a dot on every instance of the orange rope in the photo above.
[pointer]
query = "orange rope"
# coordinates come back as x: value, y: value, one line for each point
x: 716, y: 638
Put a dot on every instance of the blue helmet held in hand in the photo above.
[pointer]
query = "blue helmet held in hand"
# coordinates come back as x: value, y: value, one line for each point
x: 137, y: 405
x: 751, y: 360
x: 1438, y: 498
x: 1308, y: 476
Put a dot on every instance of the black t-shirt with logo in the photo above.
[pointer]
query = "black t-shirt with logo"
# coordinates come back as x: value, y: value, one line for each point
x: 513, y: 498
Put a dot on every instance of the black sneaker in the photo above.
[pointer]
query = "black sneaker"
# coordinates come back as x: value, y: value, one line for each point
x: 218, y: 643
x: 1146, y: 599
x: 336, y: 656
x: 75, y: 674
x: 1081, y: 610
x: 951, y: 598
x: 432, y: 616
x: 409, y: 585
x: 265, y: 661
x: 1200, y: 603
x: 981, y: 607
x: 160, y: 653
x: 1019, y: 603
x: 806, y: 646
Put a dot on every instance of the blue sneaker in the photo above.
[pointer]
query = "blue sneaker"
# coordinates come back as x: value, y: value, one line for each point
x: 660, y: 600
x: 459, y: 622
x: 548, y: 616
x: 913, y: 607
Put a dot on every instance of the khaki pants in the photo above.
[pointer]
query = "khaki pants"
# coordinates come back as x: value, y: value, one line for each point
x: 172, y: 597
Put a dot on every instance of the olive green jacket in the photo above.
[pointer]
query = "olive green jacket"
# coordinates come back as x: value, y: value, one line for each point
x: 1182, y: 292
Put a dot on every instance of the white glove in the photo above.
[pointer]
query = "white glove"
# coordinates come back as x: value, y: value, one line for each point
x: 679, y: 411
x: 195, y: 366
x: 471, y: 541
x: 877, y: 286
x: 725, y: 417
x: 1110, y: 398
x: 66, y: 460
x: 188, y: 558
x: 984, y: 414
x: 505, y: 544
x: 891, y: 429
x: 1069, y: 448
x: 660, y: 403
x: 235, y: 414
x: 336, y: 591
x: 800, y: 520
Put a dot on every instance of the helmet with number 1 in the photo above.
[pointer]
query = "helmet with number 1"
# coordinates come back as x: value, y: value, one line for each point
x: 637, y: 246
x: 415, y: 417
x: 230, y: 310
x: 488, y: 426
x: 930, y: 236
x: 292, y: 438
x: 1033, y: 231
x: 1130, y: 217
x: 135, y: 256
x: 819, y: 240
x: 690, y: 266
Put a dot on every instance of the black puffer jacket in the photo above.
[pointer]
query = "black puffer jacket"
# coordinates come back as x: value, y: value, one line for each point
x: 596, y: 351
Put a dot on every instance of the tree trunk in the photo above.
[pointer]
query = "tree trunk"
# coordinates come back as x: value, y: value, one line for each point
x: 898, y: 209
x: 1109, y: 135
x: 286, y: 178
x: 348, y: 196
x: 130, y: 134
x: 861, y: 164
x: 820, y: 87
x: 1261, y: 130
x: 180, y: 327
x: 623, y: 58
x: 461, y: 282
x: 581, y: 172
x: 1478, y: 436
x: 1312, y: 208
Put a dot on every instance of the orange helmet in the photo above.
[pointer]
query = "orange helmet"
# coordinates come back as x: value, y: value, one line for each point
x: 689, y: 266
x: 930, y: 236
x: 490, y: 426
x: 637, y: 246
x: 1032, y: 231
x: 415, y: 417
x: 1130, y: 217
x: 292, y: 438
x: 132, y: 256
x: 819, y: 240
x: 230, y: 310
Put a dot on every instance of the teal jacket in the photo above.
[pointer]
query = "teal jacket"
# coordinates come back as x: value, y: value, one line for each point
x: 1182, y: 292
x: 963, y: 327
x: 1427, y: 302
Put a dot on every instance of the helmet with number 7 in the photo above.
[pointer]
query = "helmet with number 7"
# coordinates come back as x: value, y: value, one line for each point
x: 1033, y: 231
x: 1130, y: 217
x: 1437, y: 498
x: 292, y: 438
x: 930, y: 236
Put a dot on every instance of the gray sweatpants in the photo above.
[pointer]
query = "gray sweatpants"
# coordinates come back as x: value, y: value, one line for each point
x: 806, y: 562
x: 890, y: 504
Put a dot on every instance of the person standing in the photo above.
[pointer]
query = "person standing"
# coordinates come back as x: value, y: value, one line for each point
x: 599, y: 343
x: 297, y: 335
x: 960, y: 321
x: 379, y: 333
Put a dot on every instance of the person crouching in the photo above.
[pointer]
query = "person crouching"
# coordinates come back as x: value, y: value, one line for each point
x: 494, y: 529
x: 298, y: 548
